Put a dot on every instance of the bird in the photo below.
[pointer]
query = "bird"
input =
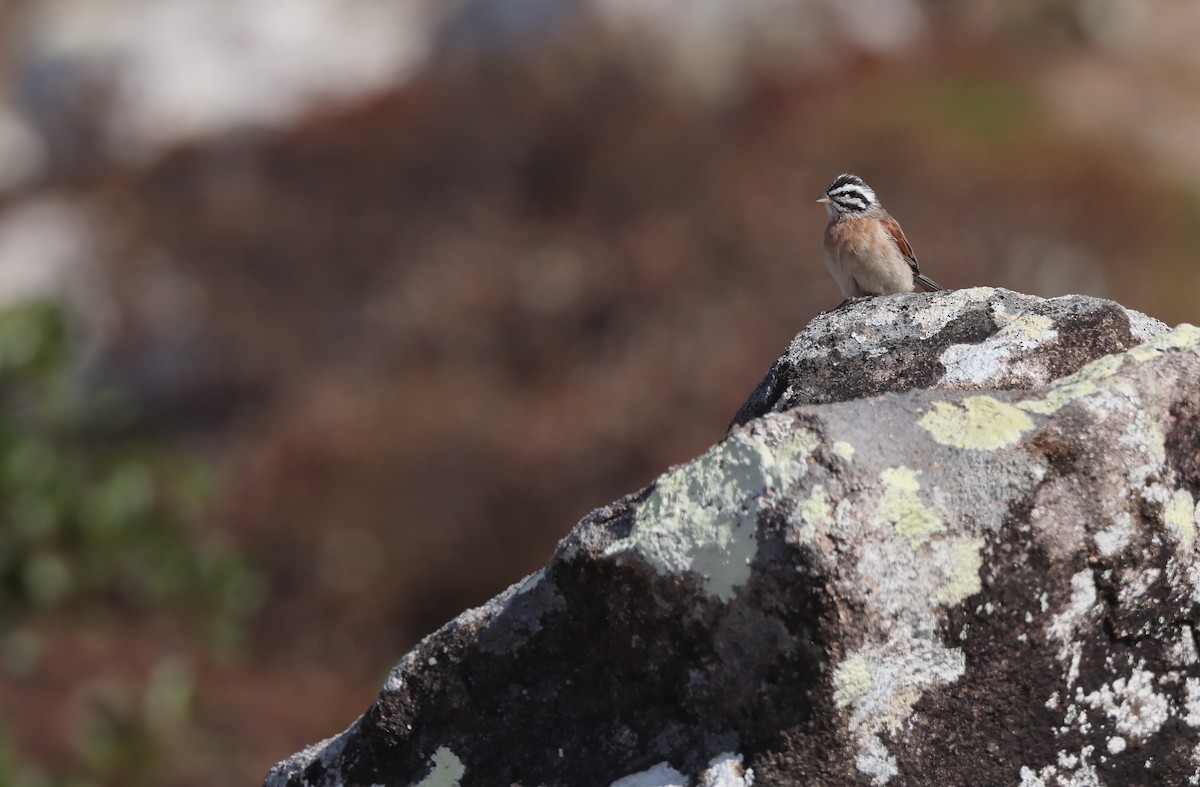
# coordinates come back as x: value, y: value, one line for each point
x: 865, y: 249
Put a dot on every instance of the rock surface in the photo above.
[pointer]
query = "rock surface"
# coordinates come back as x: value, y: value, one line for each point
x: 979, y: 338
x: 941, y: 584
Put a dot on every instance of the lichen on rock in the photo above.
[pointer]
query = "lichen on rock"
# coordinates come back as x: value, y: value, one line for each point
x: 909, y: 562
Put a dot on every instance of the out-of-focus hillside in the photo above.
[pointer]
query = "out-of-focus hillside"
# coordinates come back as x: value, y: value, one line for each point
x: 422, y: 284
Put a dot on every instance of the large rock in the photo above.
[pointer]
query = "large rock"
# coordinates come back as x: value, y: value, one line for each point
x: 937, y: 586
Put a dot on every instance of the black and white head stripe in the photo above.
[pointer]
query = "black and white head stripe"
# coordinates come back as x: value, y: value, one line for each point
x: 849, y: 193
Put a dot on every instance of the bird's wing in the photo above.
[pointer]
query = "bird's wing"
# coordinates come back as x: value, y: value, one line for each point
x: 893, y: 229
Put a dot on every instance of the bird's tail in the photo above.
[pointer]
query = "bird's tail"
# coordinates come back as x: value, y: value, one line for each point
x: 927, y: 282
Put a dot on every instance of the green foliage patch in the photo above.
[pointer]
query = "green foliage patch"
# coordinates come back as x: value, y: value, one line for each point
x: 98, y: 521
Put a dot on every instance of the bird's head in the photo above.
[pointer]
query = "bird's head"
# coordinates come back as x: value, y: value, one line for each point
x: 848, y: 195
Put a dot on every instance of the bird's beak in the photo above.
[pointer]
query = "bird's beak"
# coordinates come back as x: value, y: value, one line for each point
x: 824, y: 200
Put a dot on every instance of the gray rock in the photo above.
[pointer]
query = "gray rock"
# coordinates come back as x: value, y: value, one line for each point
x: 934, y: 586
x: 962, y: 339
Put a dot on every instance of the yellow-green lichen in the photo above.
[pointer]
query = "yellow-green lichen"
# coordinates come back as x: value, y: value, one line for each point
x: 844, y: 450
x: 1067, y: 389
x: 1030, y: 327
x: 1181, y: 513
x: 901, y: 507
x: 1084, y: 382
x: 977, y: 294
x: 1182, y: 337
x: 898, y: 714
x: 447, y: 770
x: 978, y: 422
x: 702, y: 517
x: 851, y: 680
x: 843, y: 516
x: 1156, y: 441
x: 966, y: 558
x: 812, y: 511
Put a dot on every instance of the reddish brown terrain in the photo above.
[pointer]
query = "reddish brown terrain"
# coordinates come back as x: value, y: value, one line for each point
x: 420, y: 335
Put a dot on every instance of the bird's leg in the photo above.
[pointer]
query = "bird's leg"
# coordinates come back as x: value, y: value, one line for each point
x: 847, y: 302
x: 852, y: 299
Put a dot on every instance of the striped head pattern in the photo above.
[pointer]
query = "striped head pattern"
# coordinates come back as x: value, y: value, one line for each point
x: 848, y: 194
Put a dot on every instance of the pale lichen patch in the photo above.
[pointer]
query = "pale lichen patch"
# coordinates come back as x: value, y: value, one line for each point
x: 976, y: 365
x: 874, y: 760
x: 1071, y: 771
x: 446, y: 770
x: 851, y: 680
x: 977, y: 422
x: 978, y: 294
x: 1139, y: 585
x: 1083, y: 602
x: 844, y: 450
x: 901, y: 506
x: 1033, y: 328
x: 661, y: 775
x: 1191, y: 704
x: 935, y: 314
x: 814, y: 510
x: 966, y: 555
x: 1065, y: 390
x: 702, y: 517
x: 1181, y: 650
x: 1182, y: 337
x: 882, y: 683
x: 1064, y: 625
x: 1156, y: 440
x: 1084, y: 382
x: 1113, y: 539
x: 1134, y: 706
x: 1181, y: 514
x: 726, y: 770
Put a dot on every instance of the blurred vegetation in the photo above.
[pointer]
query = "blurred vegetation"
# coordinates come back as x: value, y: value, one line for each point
x: 121, y: 738
x: 98, y: 523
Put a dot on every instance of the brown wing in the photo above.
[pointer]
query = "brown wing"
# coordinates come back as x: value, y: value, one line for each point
x: 893, y: 228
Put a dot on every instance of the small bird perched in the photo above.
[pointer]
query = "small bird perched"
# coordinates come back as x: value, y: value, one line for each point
x: 865, y: 249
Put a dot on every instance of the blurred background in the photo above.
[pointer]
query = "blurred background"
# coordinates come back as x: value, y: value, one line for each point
x: 322, y: 320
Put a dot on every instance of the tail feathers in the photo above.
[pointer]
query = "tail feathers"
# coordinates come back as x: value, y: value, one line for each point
x: 927, y: 282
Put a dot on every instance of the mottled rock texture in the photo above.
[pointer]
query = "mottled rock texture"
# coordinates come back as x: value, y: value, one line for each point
x: 966, y: 339
x: 953, y: 541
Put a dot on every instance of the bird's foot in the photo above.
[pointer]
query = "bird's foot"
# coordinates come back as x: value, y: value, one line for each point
x: 853, y: 299
x: 845, y: 303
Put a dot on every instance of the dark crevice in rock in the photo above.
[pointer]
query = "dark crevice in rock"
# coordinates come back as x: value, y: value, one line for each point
x: 1055, y: 444
x: 763, y: 399
x: 1136, y: 629
x: 679, y: 682
x: 1087, y: 334
x: 979, y: 722
x: 1183, y: 442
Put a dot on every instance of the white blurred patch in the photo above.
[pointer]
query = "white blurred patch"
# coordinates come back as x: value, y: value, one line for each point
x: 725, y: 770
x: 661, y: 775
x: 881, y: 26
x: 711, y: 42
x: 22, y: 154
x: 176, y: 69
x: 46, y: 250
